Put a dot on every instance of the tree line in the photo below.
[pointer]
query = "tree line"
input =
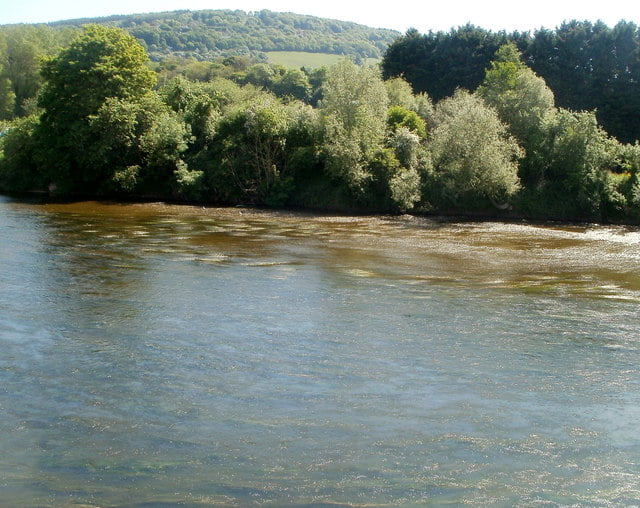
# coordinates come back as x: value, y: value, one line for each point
x: 206, y: 34
x: 338, y: 138
x: 589, y: 66
x: 21, y: 49
x: 200, y: 43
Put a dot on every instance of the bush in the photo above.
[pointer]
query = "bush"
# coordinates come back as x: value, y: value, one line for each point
x: 18, y: 146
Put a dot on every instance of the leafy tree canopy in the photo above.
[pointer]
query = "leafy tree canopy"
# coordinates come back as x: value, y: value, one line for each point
x: 588, y: 66
x: 520, y: 96
x: 472, y: 151
x: 354, y: 111
x: 100, y: 64
x: 268, y: 135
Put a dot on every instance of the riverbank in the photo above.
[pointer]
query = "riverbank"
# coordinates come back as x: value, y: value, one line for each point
x: 450, y: 215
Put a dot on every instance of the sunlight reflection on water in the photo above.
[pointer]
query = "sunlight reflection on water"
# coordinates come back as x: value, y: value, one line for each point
x: 156, y: 354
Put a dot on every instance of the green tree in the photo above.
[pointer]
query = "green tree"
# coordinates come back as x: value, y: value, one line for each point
x: 138, y: 145
x: 439, y: 62
x: 100, y: 64
x: 521, y: 98
x: 317, y: 78
x: 581, y: 156
x: 249, y: 159
x: 200, y: 106
x: 17, y: 149
x: 523, y: 102
x: 293, y: 84
x: 262, y: 75
x: 397, y: 116
x: 354, y: 111
x: 162, y: 145
x: 405, y: 189
x: 405, y: 183
x: 400, y: 93
x: 396, y: 173
x: 473, y: 154
x: 590, y: 66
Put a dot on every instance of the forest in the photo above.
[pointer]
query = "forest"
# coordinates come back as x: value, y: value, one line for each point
x: 589, y: 66
x: 207, y: 34
x: 93, y: 115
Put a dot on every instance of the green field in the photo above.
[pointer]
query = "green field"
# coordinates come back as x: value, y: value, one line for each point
x: 297, y: 59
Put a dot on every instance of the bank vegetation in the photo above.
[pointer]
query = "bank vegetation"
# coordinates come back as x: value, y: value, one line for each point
x: 334, y: 138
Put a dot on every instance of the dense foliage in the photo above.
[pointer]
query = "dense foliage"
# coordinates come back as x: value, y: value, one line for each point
x: 208, y: 34
x: 99, y: 67
x: 22, y: 48
x: 200, y: 44
x: 589, y: 66
x: 334, y: 138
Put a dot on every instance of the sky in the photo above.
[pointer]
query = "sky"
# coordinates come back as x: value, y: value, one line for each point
x: 400, y: 15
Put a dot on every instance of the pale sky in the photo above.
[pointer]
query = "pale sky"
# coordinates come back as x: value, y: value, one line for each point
x: 396, y: 14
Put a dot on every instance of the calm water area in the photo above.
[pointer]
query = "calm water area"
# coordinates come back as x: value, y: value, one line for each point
x: 160, y: 355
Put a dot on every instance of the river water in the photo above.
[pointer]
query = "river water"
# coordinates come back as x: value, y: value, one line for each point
x: 156, y: 355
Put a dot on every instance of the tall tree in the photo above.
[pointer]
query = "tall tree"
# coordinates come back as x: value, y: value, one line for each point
x: 438, y: 63
x: 473, y: 155
x: 100, y: 64
x: 354, y: 110
x: 523, y: 101
x: 590, y: 66
x: 520, y: 96
x: 619, y: 107
x: 580, y: 158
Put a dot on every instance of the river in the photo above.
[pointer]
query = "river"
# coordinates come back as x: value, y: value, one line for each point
x: 159, y: 355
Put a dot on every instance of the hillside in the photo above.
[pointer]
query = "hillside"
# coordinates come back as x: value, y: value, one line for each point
x: 208, y: 34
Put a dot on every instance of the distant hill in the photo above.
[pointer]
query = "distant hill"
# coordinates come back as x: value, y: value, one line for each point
x: 207, y: 34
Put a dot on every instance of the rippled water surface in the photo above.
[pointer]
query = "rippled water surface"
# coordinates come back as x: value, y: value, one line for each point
x: 155, y: 355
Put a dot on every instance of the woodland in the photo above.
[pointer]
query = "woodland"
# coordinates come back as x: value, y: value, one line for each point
x: 469, y: 122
